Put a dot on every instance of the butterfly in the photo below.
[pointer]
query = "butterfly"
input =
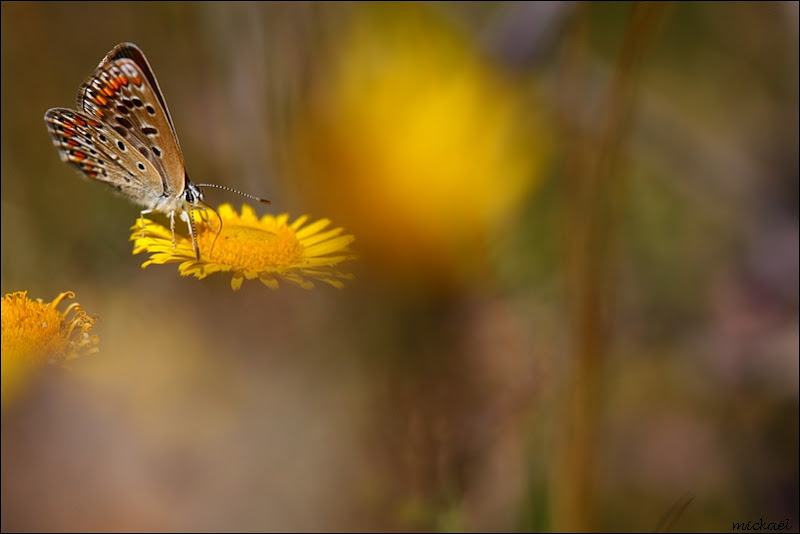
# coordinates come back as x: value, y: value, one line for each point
x: 122, y: 135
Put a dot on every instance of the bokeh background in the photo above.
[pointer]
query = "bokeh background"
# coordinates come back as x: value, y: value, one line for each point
x: 576, y: 303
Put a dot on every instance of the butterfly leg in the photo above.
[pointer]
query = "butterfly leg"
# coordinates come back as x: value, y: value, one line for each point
x: 192, y: 231
x: 141, y: 219
x: 172, y: 226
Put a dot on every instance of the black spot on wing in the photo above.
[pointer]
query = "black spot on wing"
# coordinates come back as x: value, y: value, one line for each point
x: 125, y: 123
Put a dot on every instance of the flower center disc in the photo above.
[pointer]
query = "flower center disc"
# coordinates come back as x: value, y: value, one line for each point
x: 255, y: 249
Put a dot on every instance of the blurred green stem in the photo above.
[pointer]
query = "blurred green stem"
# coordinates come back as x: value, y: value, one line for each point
x: 594, y: 189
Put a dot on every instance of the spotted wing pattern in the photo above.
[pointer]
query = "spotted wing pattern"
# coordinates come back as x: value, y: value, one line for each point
x: 123, y: 94
x: 98, y: 153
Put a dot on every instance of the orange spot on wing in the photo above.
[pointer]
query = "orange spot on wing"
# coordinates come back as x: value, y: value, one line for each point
x: 78, y: 155
x: 94, y: 124
x: 100, y: 100
x: 79, y: 121
x: 137, y: 81
x: 109, y: 91
x: 123, y: 80
x: 113, y: 83
x: 67, y: 132
x: 72, y: 142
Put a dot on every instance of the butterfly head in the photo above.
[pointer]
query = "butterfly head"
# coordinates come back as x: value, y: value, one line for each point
x: 192, y: 194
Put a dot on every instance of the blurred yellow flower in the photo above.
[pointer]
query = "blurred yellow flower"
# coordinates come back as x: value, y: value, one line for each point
x: 268, y: 248
x: 423, y: 146
x: 36, y: 334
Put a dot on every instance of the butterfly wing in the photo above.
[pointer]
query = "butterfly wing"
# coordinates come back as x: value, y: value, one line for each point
x: 100, y: 154
x: 133, y: 52
x: 123, y: 94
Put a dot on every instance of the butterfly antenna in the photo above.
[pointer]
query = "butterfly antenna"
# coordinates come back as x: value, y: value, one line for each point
x: 232, y: 190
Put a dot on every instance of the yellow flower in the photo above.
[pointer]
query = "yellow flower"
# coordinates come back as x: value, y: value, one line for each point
x: 36, y: 334
x: 418, y: 143
x: 268, y: 248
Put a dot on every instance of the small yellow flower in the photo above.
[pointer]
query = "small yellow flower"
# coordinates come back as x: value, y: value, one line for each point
x: 268, y: 248
x: 36, y: 334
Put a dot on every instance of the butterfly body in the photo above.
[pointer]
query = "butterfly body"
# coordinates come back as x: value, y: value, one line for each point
x: 122, y: 135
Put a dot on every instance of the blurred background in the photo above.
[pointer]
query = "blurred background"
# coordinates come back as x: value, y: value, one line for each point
x: 576, y: 303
